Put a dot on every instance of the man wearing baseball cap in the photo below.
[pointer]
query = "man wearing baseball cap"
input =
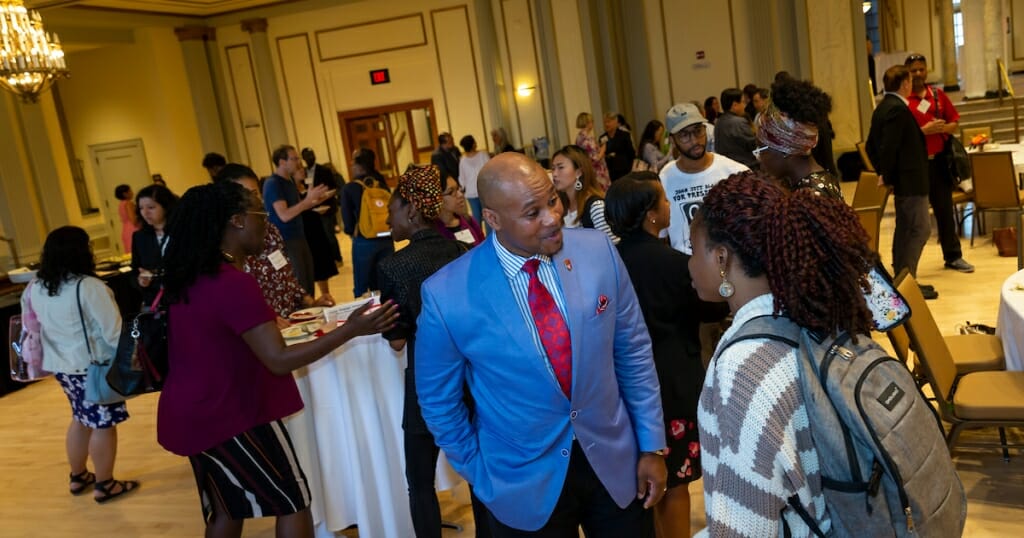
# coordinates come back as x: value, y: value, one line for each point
x: 691, y: 176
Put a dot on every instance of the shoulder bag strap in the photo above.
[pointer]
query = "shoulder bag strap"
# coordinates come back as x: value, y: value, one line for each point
x: 78, y: 299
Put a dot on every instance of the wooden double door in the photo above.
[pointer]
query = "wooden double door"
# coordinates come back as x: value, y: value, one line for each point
x: 399, y: 134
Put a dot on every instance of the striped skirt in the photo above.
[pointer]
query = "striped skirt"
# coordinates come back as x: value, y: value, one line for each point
x: 254, y: 474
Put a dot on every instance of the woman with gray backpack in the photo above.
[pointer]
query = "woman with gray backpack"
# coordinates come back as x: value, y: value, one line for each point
x: 808, y: 428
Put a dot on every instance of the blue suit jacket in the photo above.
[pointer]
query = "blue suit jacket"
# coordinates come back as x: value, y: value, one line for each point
x: 515, y: 452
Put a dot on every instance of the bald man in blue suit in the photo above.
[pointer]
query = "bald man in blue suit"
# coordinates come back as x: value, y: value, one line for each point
x: 543, y: 462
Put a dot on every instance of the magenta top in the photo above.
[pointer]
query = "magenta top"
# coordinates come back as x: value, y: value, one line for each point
x: 216, y: 387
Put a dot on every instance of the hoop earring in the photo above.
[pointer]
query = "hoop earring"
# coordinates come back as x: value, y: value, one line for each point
x: 579, y: 183
x: 725, y: 289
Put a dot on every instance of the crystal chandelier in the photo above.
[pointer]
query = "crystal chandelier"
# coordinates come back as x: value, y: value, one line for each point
x: 31, y: 60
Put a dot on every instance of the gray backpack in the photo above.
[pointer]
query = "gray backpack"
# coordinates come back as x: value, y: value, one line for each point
x: 885, y: 468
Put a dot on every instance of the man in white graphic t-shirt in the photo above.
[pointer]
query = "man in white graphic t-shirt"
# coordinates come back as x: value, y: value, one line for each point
x: 691, y: 176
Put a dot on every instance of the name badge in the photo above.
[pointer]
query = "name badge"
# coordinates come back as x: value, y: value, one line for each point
x: 466, y: 236
x: 277, y: 259
x: 923, y: 106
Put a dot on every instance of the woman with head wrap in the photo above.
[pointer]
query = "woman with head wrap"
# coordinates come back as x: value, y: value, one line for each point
x: 786, y: 133
x: 412, y: 211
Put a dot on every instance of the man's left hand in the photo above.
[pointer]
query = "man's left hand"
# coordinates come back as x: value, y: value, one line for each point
x: 651, y: 477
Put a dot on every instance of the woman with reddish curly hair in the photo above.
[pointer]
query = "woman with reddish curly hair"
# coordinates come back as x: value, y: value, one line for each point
x: 767, y: 252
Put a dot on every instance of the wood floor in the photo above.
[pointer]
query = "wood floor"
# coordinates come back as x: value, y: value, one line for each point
x: 34, y: 502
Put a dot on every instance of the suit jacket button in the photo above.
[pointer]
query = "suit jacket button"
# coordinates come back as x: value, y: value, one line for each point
x: 565, y: 453
x: 573, y: 415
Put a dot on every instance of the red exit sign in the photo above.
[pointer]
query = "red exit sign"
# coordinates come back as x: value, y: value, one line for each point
x: 379, y: 76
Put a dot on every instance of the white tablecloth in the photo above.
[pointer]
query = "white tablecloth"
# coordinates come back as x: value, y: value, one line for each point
x: 1010, y: 325
x: 349, y: 440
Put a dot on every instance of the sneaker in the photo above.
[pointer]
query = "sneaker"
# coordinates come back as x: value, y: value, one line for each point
x: 961, y: 265
x: 928, y: 293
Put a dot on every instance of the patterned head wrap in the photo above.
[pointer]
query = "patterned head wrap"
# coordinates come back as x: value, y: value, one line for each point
x: 783, y: 134
x: 421, y: 186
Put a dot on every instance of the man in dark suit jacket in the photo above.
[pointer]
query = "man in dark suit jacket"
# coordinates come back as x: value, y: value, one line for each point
x: 446, y: 157
x: 896, y: 146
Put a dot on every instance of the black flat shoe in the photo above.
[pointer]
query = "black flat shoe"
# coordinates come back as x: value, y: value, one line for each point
x: 929, y: 293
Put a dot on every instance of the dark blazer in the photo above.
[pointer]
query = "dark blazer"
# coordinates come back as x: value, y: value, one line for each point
x: 896, y: 147
x: 323, y: 176
x: 147, y: 254
x: 400, y: 276
x: 671, y: 309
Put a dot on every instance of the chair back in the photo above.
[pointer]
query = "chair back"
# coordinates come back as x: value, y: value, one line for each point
x: 862, y: 149
x: 871, y: 220
x: 1020, y: 240
x: 995, y: 180
x: 900, y: 341
x: 868, y: 192
x: 967, y: 133
x: 927, y: 341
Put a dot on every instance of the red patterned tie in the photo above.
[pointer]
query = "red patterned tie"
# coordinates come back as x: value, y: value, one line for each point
x: 554, y: 333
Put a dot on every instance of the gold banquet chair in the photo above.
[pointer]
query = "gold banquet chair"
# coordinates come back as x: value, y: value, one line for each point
x: 869, y: 194
x: 864, y: 159
x: 973, y: 400
x: 995, y: 184
x: 970, y: 352
x: 871, y: 219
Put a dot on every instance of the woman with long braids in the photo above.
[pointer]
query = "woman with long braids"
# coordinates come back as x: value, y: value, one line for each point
x: 765, y: 252
x: 787, y: 133
x: 229, y: 382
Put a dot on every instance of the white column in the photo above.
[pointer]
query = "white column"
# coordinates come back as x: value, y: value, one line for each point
x: 270, y: 97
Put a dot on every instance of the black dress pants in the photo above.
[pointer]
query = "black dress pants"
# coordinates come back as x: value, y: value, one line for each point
x: 420, y: 471
x: 940, y: 196
x: 585, y: 502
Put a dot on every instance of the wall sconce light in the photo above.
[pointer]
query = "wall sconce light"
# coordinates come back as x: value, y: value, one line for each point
x: 525, y: 91
x: 866, y: 6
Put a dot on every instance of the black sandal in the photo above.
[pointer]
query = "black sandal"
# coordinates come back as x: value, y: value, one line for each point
x: 105, y: 487
x: 80, y: 482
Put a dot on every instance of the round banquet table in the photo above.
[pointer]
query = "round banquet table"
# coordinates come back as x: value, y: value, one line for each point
x: 349, y: 440
x: 1010, y: 324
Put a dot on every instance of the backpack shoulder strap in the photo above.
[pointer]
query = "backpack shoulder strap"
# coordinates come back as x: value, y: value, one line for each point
x: 777, y: 328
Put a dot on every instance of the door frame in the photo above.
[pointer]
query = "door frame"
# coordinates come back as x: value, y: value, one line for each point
x: 345, y: 116
x: 104, y: 190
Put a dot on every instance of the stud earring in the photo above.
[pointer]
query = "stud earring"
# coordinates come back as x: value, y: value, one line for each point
x: 725, y: 289
x: 579, y: 183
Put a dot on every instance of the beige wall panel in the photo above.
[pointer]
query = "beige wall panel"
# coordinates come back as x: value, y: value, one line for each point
x: 344, y: 84
x: 247, y: 106
x: 834, y: 68
x: 571, y: 62
x: 522, y: 53
x: 1016, y: 55
x: 660, y: 84
x: 137, y: 90
x: 20, y: 215
x: 371, y: 37
x: 302, y: 97
x: 698, y: 25
x: 459, y: 76
x: 920, y: 15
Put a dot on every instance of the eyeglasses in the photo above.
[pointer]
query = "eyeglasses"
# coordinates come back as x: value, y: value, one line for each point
x: 692, y: 134
x: 451, y: 192
x: 914, y: 58
x: 757, y: 152
x: 263, y: 214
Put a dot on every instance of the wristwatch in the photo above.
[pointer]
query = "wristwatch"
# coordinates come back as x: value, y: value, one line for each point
x: 659, y: 452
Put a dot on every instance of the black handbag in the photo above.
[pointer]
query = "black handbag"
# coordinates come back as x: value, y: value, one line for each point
x: 957, y: 159
x: 140, y: 365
